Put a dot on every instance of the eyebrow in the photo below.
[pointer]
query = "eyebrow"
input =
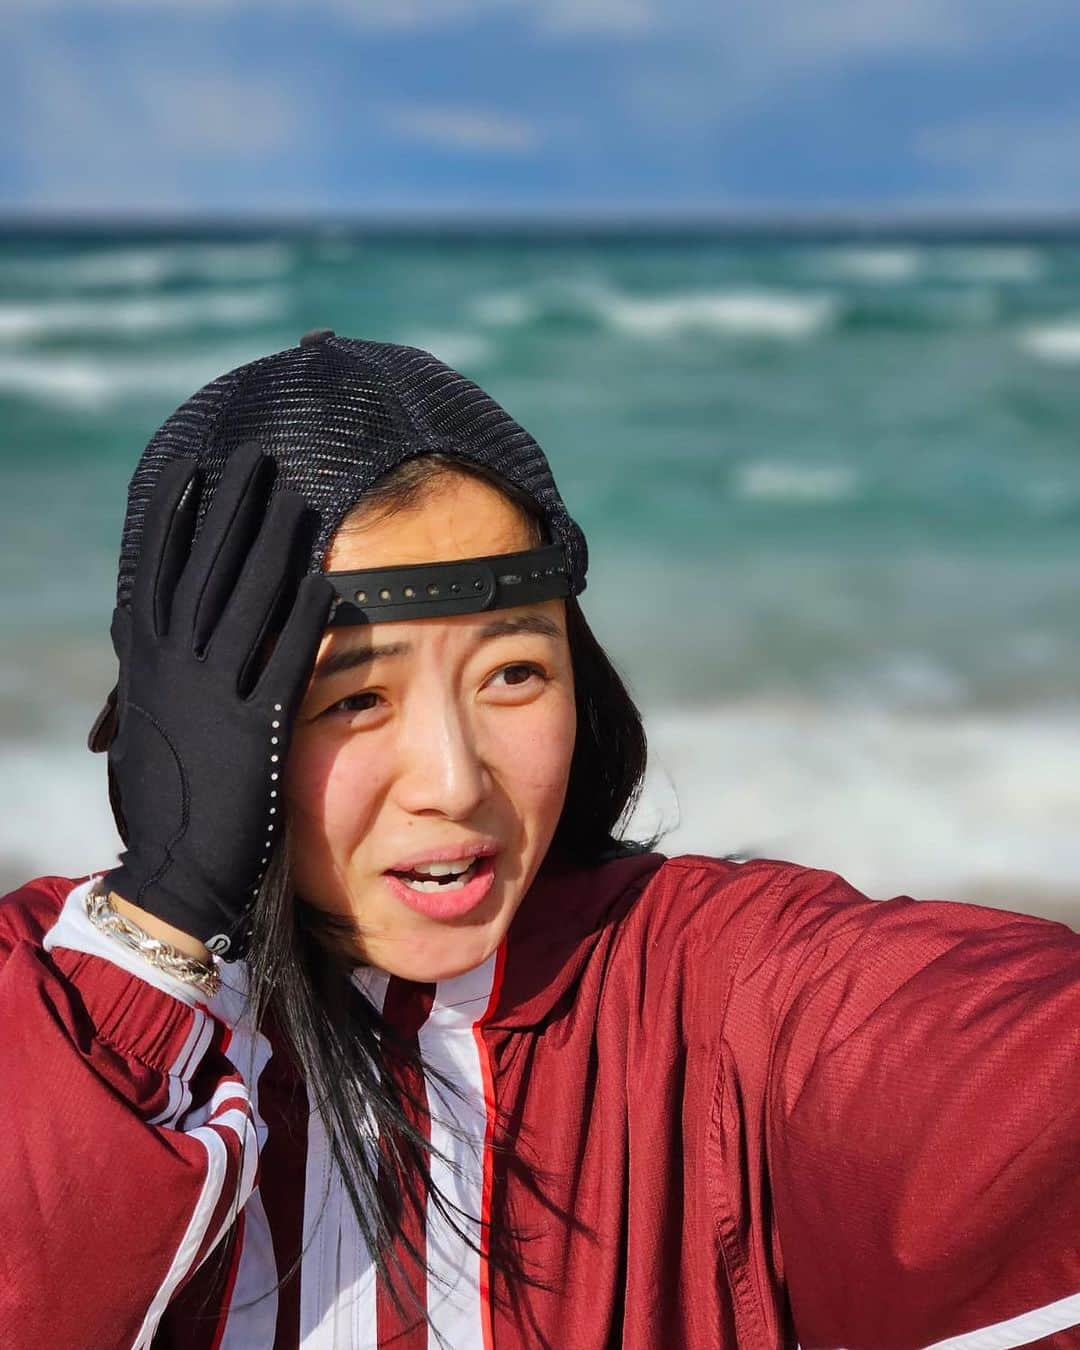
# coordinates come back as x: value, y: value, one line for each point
x: 351, y: 658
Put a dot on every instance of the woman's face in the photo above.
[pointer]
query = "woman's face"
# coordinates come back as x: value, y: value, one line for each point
x: 439, y: 739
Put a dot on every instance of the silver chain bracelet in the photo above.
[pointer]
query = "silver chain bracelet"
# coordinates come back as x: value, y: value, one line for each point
x: 158, y: 953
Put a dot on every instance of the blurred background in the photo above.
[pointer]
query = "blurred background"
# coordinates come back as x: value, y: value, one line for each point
x: 789, y: 293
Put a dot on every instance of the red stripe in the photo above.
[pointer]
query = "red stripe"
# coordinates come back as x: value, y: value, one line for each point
x: 406, y: 1008
x: 489, y: 1130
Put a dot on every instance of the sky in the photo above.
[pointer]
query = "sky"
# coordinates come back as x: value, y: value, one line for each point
x: 539, y: 107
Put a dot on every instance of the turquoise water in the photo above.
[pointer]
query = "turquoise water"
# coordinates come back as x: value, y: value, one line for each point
x: 813, y: 474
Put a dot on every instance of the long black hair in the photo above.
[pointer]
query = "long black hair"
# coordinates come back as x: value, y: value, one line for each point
x: 351, y: 1059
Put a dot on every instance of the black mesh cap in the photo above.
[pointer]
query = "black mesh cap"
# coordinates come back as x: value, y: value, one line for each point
x: 337, y: 414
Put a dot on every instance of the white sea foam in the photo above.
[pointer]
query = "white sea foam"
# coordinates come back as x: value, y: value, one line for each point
x: 54, y: 813
x: 96, y: 383
x: 776, y: 481
x: 456, y: 349
x: 955, y: 806
x: 893, y: 265
x: 880, y: 266
x: 150, y: 266
x: 26, y: 321
x: 901, y: 681
x: 505, y: 308
x: 734, y: 313
x: 1058, y: 343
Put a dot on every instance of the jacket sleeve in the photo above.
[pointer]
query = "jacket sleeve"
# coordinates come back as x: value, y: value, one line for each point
x: 129, y: 1145
x: 915, y: 1074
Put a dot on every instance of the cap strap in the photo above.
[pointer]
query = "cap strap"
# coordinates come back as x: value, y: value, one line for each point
x: 467, y: 586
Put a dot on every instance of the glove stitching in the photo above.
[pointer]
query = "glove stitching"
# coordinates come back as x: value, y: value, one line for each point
x: 185, y: 800
x: 160, y: 630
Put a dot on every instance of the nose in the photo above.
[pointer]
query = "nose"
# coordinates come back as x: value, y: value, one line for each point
x: 440, y: 771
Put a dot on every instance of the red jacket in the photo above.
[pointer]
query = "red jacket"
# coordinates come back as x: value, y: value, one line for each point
x: 742, y: 1106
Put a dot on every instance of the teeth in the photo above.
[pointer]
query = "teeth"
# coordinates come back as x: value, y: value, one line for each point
x: 444, y: 869
x: 433, y: 885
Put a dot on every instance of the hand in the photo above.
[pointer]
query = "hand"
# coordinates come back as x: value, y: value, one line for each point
x: 203, y: 731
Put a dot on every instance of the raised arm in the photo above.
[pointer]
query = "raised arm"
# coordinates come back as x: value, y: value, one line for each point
x: 917, y: 1088
x: 130, y: 1141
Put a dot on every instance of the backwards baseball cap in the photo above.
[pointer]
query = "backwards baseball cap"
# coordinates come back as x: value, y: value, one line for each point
x: 337, y: 414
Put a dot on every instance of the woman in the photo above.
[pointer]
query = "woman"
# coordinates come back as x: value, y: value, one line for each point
x: 379, y: 1034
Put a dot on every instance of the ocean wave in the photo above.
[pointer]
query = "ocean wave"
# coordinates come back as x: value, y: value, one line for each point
x: 733, y: 313
x: 914, y: 803
x: 900, y: 264
x: 1058, y: 343
x: 456, y: 349
x: 879, y: 266
x: 20, y: 322
x: 153, y: 265
x: 775, y: 481
x: 95, y: 383
x: 505, y: 308
x: 745, y: 312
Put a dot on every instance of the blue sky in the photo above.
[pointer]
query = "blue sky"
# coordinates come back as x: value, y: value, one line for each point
x: 539, y: 106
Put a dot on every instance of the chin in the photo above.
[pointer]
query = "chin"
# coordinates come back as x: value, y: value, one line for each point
x: 440, y: 965
x: 438, y: 956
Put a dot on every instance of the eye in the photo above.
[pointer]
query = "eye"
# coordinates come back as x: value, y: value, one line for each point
x: 518, y: 675
x: 353, y: 703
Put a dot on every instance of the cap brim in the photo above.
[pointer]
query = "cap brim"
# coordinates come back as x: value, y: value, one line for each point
x: 104, y: 728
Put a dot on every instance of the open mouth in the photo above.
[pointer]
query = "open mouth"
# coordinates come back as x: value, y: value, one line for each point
x: 441, y: 876
x: 444, y: 890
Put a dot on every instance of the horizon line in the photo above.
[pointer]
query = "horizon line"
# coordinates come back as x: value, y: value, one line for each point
x: 876, y: 221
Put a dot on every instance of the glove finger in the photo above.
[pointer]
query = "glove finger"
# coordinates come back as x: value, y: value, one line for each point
x: 285, y: 679
x: 168, y: 527
x: 267, y: 585
x: 228, y: 531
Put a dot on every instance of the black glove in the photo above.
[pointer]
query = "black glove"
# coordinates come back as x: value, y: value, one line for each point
x: 203, y: 730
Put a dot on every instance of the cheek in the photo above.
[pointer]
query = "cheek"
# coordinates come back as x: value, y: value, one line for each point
x: 331, y: 793
x: 533, y: 754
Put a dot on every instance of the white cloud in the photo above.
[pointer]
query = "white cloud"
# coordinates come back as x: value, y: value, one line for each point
x: 468, y: 129
x: 142, y: 137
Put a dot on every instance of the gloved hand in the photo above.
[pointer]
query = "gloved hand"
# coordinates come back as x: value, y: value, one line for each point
x: 203, y: 731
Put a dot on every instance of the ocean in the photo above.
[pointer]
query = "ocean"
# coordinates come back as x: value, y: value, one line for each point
x: 831, y: 489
